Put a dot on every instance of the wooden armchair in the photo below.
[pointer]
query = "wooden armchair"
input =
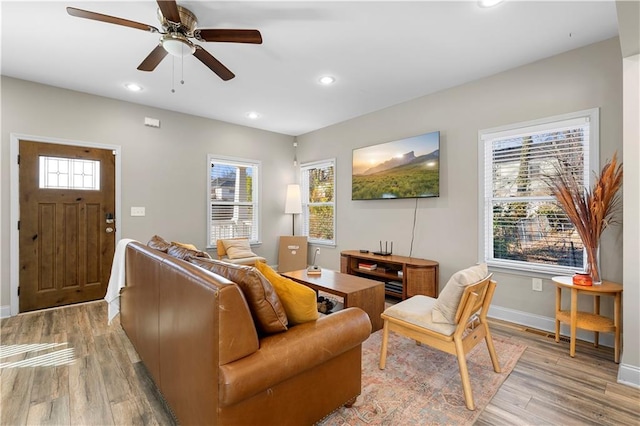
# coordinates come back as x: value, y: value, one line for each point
x: 413, y: 318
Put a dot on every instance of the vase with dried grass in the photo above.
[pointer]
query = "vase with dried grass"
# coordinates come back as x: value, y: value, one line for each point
x: 591, y: 211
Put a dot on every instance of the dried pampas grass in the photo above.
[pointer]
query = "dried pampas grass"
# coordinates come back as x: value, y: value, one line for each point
x: 590, y: 211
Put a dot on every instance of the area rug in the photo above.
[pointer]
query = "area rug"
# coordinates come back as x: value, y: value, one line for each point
x: 421, y: 385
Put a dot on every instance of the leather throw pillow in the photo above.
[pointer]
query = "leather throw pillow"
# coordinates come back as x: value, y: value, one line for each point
x: 158, y: 243
x: 182, y: 252
x: 266, y: 308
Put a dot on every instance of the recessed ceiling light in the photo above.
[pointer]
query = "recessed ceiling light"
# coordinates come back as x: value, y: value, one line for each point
x: 133, y: 87
x: 327, y: 80
x: 253, y: 115
x: 489, y: 3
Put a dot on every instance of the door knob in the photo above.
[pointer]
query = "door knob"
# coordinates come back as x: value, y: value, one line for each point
x: 109, y: 230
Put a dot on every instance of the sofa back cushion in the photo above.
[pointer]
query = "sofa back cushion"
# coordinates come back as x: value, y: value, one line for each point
x: 266, y: 308
x: 167, y: 299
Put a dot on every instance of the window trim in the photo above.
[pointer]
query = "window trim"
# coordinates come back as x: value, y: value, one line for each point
x: 519, y: 267
x: 305, y: 203
x: 257, y: 191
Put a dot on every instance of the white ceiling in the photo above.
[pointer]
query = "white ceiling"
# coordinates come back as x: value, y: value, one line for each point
x: 382, y: 53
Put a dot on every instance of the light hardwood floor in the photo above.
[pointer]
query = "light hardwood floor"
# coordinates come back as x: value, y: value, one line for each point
x: 107, y: 383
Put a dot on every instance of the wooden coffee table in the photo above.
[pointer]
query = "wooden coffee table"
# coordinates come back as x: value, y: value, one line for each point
x: 362, y: 293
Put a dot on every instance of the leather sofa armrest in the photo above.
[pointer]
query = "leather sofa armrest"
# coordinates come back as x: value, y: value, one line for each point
x: 287, y: 354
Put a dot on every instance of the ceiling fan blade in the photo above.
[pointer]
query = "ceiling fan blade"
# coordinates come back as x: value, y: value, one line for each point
x: 231, y: 36
x: 155, y: 57
x: 169, y: 10
x: 79, y: 13
x: 215, y: 65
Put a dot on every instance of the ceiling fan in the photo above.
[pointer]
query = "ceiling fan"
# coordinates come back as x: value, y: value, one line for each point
x: 179, y: 25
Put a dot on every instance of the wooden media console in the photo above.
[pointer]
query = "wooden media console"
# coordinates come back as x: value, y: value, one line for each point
x: 403, y: 276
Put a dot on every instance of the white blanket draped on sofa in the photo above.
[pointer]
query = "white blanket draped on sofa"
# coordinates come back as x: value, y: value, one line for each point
x: 117, y: 279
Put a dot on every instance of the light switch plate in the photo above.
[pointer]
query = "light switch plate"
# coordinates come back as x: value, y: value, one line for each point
x: 137, y: 211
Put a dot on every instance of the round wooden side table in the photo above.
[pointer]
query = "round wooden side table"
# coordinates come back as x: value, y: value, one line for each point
x: 592, y: 321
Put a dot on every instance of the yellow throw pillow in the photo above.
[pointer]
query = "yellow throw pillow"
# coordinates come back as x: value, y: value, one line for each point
x: 299, y: 302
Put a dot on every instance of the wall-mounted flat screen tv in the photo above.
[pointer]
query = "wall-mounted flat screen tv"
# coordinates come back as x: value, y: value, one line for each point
x: 405, y: 168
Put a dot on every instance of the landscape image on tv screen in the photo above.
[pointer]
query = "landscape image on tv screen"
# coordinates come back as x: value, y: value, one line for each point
x: 406, y: 168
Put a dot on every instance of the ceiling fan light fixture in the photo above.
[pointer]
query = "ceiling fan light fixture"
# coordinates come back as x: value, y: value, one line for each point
x: 177, y: 45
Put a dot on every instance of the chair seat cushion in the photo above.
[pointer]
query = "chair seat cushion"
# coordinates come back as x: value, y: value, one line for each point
x: 417, y: 310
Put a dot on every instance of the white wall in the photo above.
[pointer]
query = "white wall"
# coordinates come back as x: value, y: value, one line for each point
x: 164, y: 170
x: 629, y: 29
x: 630, y: 363
x: 447, y: 227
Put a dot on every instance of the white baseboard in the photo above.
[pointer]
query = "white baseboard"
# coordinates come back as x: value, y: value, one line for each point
x: 546, y: 324
x: 5, y: 311
x: 629, y: 375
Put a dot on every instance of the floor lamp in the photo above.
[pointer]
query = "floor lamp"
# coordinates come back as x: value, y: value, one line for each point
x: 293, y: 205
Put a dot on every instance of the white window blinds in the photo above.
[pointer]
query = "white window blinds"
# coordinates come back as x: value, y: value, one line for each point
x: 521, y: 225
x: 318, y: 201
x: 233, y: 199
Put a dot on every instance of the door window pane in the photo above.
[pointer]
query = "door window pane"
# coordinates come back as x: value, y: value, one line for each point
x: 69, y: 173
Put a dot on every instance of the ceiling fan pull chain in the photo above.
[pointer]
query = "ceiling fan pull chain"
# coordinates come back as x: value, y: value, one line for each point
x: 173, y: 74
x: 182, y: 68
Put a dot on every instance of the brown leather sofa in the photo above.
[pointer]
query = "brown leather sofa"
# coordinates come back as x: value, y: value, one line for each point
x: 194, y: 332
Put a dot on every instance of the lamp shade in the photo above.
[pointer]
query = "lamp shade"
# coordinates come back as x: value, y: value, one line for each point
x: 293, y: 205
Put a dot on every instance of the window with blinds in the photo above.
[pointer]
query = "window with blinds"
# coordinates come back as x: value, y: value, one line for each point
x: 233, y: 199
x: 318, y: 201
x: 521, y: 226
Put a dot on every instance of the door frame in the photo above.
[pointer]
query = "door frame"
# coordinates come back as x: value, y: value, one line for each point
x: 14, y: 194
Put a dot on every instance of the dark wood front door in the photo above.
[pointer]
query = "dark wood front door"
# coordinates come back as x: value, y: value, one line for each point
x: 67, y: 224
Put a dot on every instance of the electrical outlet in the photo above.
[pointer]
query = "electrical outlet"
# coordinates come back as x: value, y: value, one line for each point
x: 536, y: 284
